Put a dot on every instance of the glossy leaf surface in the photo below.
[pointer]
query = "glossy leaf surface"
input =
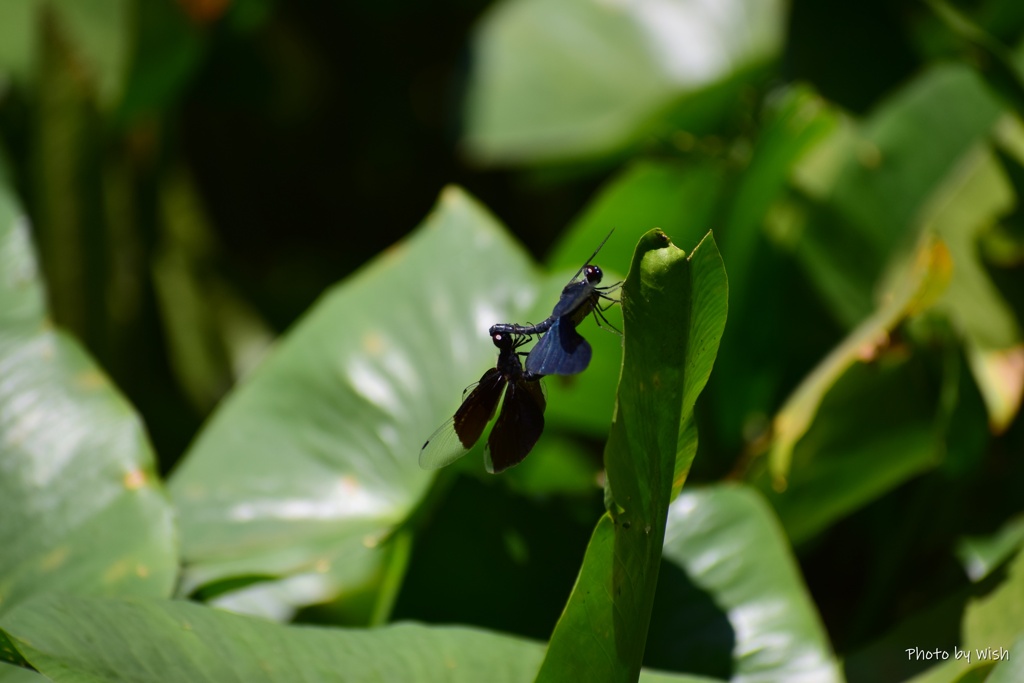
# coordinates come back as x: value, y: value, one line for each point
x: 81, y: 509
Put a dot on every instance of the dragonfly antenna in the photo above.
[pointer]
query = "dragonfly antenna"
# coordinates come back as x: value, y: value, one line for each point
x: 587, y: 262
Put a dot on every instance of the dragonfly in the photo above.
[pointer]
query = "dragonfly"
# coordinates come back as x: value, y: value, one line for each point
x: 520, y: 421
x: 562, y: 350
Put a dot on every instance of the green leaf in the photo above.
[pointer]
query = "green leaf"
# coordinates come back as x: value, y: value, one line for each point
x: 674, y: 310
x: 796, y: 121
x: 81, y: 508
x: 992, y: 632
x: 749, y: 381
x: 888, y: 171
x: 912, y: 287
x: 1010, y: 669
x: 76, y: 640
x: 981, y: 555
x: 577, y: 78
x: 679, y: 198
x: 16, y: 674
x: 99, y: 32
x: 167, y: 641
x: 839, y: 466
x: 307, y: 466
x: 996, y: 620
x: 993, y: 60
x: 18, y: 28
x: 762, y: 623
x: 964, y: 207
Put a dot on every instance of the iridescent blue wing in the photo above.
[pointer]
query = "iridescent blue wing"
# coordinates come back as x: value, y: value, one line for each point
x: 561, y: 351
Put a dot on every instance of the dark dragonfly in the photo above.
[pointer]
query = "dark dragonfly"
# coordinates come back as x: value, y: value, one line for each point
x: 519, y: 424
x: 562, y: 350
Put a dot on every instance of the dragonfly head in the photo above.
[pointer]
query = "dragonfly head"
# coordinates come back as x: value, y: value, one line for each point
x: 593, y: 274
x: 506, y: 340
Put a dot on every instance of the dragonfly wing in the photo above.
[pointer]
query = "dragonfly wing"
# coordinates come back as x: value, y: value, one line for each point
x: 454, y: 438
x: 561, y: 351
x: 518, y: 428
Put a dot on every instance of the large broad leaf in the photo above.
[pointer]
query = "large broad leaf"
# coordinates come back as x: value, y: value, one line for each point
x: 674, y: 310
x: 573, y: 78
x: 307, y: 466
x: 166, y: 641
x: 16, y: 674
x: 158, y: 641
x: 731, y: 601
x: 81, y: 508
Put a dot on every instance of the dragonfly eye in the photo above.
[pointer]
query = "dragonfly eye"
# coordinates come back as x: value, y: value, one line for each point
x: 593, y: 274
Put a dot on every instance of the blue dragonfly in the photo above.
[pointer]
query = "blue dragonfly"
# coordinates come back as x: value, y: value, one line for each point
x: 562, y: 350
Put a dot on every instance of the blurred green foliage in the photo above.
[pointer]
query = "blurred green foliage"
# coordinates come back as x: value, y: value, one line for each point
x: 182, y: 182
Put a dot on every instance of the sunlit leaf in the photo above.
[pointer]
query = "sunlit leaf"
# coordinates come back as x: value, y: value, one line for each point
x: 966, y: 205
x: 730, y: 596
x: 153, y: 641
x: 674, y: 310
x: 574, y: 78
x: 981, y: 555
x: 167, y: 641
x: 81, y: 508
x: 16, y: 674
x: 310, y: 463
x: 888, y: 171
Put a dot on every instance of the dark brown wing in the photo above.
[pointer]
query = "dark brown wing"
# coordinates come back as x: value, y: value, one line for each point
x: 518, y: 428
x: 455, y: 437
x: 478, y: 408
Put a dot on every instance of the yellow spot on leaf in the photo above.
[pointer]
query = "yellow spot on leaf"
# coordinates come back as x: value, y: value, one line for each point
x: 54, y: 559
x: 117, y: 571
x: 135, y: 479
x: 373, y: 344
x: 90, y: 380
x: 322, y: 565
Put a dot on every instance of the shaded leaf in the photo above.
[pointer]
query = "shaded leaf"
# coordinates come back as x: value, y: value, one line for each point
x: 99, y: 32
x: 912, y: 288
